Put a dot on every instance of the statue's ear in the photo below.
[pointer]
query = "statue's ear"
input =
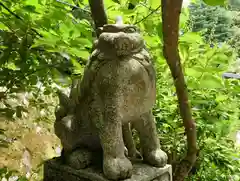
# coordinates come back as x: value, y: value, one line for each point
x: 64, y: 100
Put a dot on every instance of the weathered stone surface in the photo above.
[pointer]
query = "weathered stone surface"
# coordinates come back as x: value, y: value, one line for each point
x: 116, y: 94
x: 54, y: 170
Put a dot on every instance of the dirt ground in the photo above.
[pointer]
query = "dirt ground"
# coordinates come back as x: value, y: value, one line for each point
x: 30, y: 142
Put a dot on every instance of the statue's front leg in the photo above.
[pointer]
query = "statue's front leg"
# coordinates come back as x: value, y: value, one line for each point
x: 115, y: 164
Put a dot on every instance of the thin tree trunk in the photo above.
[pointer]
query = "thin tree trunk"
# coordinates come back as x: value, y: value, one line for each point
x: 171, y: 10
x: 99, y: 15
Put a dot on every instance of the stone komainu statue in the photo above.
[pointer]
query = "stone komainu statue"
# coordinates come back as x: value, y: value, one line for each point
x: 118, y: 88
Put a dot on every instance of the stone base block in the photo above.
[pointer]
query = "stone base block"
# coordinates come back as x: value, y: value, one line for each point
x: 54, y: 170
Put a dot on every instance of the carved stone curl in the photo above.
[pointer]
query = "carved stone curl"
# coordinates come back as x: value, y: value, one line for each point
x: 118, y: 88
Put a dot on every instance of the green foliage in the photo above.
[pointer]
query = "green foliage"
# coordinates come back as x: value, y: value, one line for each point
x: 234, y: 4
x: 215, y: 107
x: 235, y: 39
x: 214, y: 2
x: 214, y: 22
x: 36, y: 40
x: 46, y: 42
x: 40, y: 42
x: 11, y: 174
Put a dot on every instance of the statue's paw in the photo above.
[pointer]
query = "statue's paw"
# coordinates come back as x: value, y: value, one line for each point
x: 156, y: 158
x: 117, y: 168
x: 79, y: 159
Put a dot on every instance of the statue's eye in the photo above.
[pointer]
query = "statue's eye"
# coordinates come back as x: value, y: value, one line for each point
x: 130, y: 30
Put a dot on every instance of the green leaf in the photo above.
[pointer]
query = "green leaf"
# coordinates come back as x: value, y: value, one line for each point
x: 79, y: 53
x: 184, y: 18
x: 190, y: 37
x: 154, y: 3
x: 159, y: 30
x: 3, y: 171
x: 11, y: 66
x: 211, y: 81
x: 214, y: 2
x: 58, y: 15
x: 31, y: 2
x: 47, y: 92
x: 194, y: 72
x: 22, y: 178
x: 152, y: 41
x: 3, y: 47
x: 78, y: 69
x: 183, y: 51
x: 80, y: 42
x: 128, y: 12
x: 3, y: 26
x: 30, y: 8
x: 220, y: 58
x: 49, y: 39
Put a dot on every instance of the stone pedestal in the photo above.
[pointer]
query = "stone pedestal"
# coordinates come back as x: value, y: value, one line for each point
x: 54, y: 170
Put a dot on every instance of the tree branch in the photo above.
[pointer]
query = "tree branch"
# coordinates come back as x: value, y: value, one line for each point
x: 152, y: 12
x: 72, y: 6
x: 171, y: 10
x: 18, y: 17
x: 98, y: 14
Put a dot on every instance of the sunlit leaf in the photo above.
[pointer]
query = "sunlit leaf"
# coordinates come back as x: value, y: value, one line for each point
x: 154, y: 3
x: 11, y: 66
x: 214, y: 2
x: 22, y: 178
x: 79, y: 53
x: 190, y: 37
x: 81, y: 42
x: 3, y: 27
x: 78, y: 69
x: 211, y: 81
x: 194, y: 71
